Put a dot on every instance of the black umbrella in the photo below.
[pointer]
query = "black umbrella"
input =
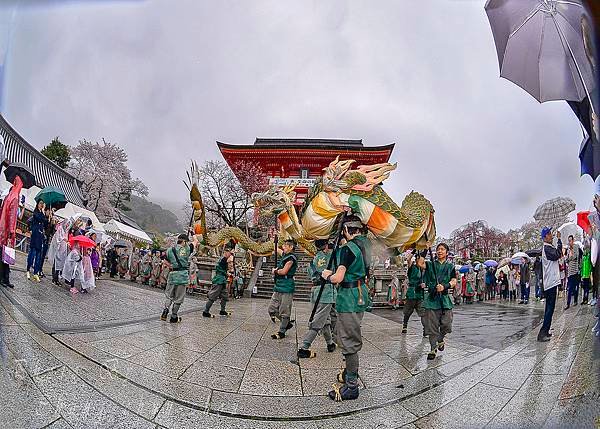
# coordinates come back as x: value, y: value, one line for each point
x: 589, y: 157
x: 589, y: 151
x: 21, y: 170
x: 534, y: 253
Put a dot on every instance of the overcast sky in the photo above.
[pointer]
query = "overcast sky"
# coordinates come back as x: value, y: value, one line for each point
x: 165, y: 79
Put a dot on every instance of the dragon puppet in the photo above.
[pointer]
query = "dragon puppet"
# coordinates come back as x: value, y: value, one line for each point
x: 398, y: 227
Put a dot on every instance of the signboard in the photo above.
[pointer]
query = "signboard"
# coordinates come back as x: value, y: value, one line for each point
x: 280, y: 181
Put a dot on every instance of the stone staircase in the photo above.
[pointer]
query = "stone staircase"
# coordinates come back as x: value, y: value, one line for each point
x: 265, y: 282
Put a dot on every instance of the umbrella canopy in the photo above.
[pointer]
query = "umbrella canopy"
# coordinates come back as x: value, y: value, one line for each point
x: 534, y: 253
x: 517, y: 261
x: 464, y: 269
x: 504, y: 269
x: 83, y: 241
x: 569, y: 228
x: 490, y: 263
x: 589, y: 158
x: 540, y: 47
x: 21, y: 170
x: 520, y: 255
x: 52, y: 196
x: 122, y: 243
x: 504, y: 262
x: 583, y: 221
x: 554, y: 209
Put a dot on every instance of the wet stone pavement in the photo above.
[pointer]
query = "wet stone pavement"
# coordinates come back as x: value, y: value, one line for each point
x: 492, y: 326
x: 104, y: 360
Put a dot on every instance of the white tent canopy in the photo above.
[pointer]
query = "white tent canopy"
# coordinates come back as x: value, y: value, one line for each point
x: 71, y: 209
x: 122, y: 230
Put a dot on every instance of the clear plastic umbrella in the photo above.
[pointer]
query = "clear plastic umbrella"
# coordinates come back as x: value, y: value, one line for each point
x: 554, y: 210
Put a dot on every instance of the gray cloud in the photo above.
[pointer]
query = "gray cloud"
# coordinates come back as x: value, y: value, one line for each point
x: 165, y: 82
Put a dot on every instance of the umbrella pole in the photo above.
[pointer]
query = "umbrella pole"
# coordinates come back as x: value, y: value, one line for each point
x: 566, y: 43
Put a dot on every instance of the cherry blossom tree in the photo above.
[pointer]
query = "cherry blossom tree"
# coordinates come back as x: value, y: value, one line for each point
x: 107, y: 181
x: 227, y: 198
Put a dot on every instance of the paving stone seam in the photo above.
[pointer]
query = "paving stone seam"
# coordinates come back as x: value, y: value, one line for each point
x: 297, y: 361
x: 40, y: 325
x: 209, y: 409
x: 89, y: 384
x: 33, y: 382
x: 54, y: 421
x: 523, y: 340
x: 324, y: 417
x: 50, y: 329
x: 555, y: 344
x: 579, y: 347
x: 215, y: 345
x: 418, y: 372
x: 514, y: 392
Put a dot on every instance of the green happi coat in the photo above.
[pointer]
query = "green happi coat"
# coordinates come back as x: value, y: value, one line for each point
x: 179, y: 274
x: 318, y: 264
x: 347, y: 300
x: 445, y: 272
x: 415, y: 278
x: 220, y: 277
x: 286, y: 284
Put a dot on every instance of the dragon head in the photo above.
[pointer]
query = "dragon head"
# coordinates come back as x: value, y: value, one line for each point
x: 274, y: 200
x: 338, y: 177
x: 333, y: 174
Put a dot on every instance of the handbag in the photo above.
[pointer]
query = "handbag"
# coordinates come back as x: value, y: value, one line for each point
x: 8, y: 255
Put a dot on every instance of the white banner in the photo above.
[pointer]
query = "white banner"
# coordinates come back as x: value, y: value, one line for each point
x: 279, y: 181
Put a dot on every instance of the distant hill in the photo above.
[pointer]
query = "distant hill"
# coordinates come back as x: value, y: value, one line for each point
x: 152, y: 217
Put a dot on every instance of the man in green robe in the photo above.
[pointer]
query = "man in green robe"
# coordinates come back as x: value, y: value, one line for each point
x: 280, y: 306
x: 322, y: 320
x: 415, y: 292
x: 218, y: 289
x: 178, y: 257
x: 351, y: 302
x: 146, y: 267
x: 440, y: 277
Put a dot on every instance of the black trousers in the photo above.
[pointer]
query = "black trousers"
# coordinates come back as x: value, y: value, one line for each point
x: 4, y: 273
x: 549, y: 310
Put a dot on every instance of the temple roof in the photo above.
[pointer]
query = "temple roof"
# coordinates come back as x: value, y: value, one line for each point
x: 46, y: 172
x: 324, y: 143
x: 305, y: 143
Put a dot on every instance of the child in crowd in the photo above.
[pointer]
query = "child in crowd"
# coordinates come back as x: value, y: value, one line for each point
x: 88, y: 282
x: 73, y: 269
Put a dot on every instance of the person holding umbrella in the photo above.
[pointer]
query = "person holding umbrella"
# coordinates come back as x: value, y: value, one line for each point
x: 37, y: 225
x: 551, y: 275
x: 48, y: 233
x: 8, y: 225
x: 74, y: 265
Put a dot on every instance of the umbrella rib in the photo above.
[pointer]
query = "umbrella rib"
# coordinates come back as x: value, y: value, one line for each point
x: 571, y: 3
x: 527, y: 19
x: 564, y: 41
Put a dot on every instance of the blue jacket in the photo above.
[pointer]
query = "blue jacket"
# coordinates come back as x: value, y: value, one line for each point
x: 37, y: 225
